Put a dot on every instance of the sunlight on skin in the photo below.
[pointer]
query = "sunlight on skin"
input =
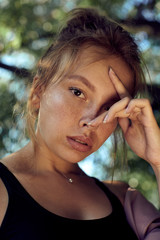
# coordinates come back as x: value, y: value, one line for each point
x: 82, y: 108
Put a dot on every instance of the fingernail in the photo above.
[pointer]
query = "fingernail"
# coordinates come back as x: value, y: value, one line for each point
x: 111, y: 71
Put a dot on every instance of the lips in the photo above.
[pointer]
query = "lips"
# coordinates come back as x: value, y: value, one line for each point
x: 80, y: 143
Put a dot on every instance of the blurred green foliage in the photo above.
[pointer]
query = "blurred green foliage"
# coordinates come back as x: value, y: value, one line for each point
x: 26, y: 29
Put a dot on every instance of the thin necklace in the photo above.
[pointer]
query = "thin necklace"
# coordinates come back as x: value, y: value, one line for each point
x: 70, y: 180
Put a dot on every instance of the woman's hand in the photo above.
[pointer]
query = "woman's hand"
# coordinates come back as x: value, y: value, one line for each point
x: 139, y: 126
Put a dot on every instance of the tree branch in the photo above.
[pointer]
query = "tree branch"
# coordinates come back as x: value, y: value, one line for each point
x: 20, y: 72
x: 151, y: 27
x: 141, y: 22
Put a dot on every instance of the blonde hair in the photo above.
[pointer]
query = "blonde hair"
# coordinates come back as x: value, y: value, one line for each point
x: 84, y: 26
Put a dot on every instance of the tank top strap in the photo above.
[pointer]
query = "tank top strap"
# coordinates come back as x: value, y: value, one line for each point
x: 115, y: 202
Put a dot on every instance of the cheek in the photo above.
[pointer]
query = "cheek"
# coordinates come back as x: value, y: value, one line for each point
x: 56, y: 109
x: 107, y: 129
x: 104, y: 132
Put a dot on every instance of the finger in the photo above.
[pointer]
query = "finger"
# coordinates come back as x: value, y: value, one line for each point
x: 134, y: 116
x: 131, y: 115
x: 118, y: 85
x: 118, y: 107
x: 141, y: 104
x: 121, y: 114
x: 98, y: 120
x: 124, y: 124
x: 147, y: 115
x: 111, y: 113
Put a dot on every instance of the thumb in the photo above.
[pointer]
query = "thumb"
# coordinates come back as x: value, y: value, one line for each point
x: 124, y: 124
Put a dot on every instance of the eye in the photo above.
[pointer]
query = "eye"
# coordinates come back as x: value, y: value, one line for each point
x: 106, y: 108
x: 77, y: 92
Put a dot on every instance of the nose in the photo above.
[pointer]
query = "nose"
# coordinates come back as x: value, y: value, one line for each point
x: 84, y: 123
x: 90, y: 114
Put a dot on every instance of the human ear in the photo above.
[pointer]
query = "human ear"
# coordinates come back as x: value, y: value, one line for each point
x: 36, y: 93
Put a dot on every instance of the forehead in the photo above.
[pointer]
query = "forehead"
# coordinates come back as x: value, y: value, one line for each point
x: 95, y: 63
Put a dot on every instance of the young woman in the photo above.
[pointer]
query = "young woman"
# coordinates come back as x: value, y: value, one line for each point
x: 85, y: 86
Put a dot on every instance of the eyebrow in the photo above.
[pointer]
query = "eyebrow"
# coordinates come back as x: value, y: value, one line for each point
x: 84, y: 80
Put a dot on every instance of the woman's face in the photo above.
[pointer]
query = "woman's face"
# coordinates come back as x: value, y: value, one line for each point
x: 66, y: 108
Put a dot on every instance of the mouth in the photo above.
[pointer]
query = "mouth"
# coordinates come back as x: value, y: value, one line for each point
x: 80, y: 143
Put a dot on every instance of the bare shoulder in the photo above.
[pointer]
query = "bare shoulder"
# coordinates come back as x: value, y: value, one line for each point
x: 119, y: 188
x: 18, y: 161
x: 12, y: 160
x: 3, y: 201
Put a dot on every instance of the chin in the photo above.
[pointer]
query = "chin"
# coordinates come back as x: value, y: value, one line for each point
x: 75, y: 157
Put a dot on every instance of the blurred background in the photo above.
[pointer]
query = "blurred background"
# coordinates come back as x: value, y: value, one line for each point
x: 27, y: 28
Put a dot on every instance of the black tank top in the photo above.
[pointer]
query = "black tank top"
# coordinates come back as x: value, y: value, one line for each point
x: 25, y: 219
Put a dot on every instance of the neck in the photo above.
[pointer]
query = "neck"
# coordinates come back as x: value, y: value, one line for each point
x: 41, y: 162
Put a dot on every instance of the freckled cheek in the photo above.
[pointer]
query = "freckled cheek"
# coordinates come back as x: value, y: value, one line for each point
x: 59, y: 108
x: 107, y: 129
